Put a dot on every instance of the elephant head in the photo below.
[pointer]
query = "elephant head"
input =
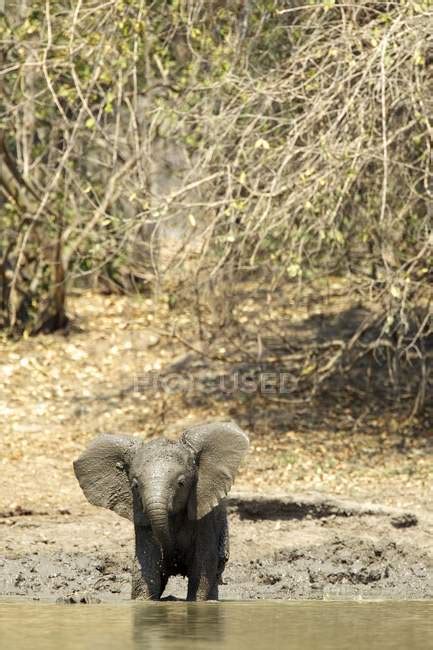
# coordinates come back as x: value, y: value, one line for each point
x: 147, y: 482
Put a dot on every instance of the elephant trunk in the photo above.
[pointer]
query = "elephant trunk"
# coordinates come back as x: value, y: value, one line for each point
x: 156, y: 509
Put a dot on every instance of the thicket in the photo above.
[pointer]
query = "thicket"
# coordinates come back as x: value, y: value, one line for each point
x: 197, y: 145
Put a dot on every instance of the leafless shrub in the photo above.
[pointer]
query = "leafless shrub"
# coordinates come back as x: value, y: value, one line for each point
x: 199, y: 145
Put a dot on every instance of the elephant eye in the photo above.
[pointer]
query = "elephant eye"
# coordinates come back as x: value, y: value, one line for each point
x: 181, y: 481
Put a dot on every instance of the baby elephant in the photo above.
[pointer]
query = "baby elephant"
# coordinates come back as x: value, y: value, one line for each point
x: 173, y: 492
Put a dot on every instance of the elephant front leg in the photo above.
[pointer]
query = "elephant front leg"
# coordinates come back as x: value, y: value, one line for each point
x: 203, y: 574
x: 148, y: 578
x: 203, y: 578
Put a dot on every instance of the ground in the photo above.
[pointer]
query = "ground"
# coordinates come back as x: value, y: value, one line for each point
x: 332, y: 511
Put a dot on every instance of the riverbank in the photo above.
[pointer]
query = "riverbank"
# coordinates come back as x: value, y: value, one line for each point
x: 59, y: 391
x: 304, y: 546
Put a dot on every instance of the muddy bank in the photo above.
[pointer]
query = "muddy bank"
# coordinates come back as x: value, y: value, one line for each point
x: 301, y: 547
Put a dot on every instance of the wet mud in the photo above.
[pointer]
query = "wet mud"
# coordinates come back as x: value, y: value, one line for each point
x: 302, y: 547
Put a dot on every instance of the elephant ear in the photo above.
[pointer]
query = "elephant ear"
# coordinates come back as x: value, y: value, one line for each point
x: 218, y: 448
x: 102, y: 472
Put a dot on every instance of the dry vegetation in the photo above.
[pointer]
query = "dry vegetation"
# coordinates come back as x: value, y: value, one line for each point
x: 252, y: 183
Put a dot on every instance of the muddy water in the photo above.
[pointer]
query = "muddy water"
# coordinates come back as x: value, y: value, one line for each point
x: 186, y: 626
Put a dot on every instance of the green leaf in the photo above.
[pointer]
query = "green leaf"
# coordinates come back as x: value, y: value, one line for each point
x: 293, y: 270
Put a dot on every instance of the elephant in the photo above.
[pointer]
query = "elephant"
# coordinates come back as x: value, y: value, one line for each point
x: 173, y: 492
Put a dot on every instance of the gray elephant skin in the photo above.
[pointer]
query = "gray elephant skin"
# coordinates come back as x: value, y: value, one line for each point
x: 174, y: 493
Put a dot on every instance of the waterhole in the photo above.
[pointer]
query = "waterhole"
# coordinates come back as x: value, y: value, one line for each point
x: 228, y: 625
